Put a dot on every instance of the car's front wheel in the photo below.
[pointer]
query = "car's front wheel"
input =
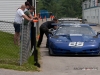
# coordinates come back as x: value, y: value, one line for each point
x: 50, y: 52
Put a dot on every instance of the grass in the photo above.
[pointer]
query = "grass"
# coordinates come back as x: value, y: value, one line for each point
x: 10, y: 54
x: 29, y: 66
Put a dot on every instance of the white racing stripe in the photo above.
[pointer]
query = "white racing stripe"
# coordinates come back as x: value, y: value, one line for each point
x: 75, y: 34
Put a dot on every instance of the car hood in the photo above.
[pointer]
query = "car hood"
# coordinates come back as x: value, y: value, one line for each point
x: 74, y: 38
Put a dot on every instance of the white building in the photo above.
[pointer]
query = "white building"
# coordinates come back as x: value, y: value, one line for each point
x: 7, y: 13
x: 8, y: 9
x: 91, y: 11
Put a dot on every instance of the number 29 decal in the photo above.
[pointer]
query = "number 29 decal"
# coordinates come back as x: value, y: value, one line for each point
x: 76, y: 43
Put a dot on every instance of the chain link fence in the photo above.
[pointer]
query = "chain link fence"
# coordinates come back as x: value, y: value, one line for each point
x: 25, y: 43
x: 11, y: 53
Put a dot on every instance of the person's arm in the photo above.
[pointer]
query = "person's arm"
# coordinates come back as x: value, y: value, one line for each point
x: 21, y: 13
x: 24, y: 16
x: 31, y: 16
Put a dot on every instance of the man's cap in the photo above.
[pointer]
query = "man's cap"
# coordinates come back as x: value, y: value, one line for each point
x: 27, y: 3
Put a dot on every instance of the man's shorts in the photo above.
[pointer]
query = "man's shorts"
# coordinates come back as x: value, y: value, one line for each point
x: 17, y: 27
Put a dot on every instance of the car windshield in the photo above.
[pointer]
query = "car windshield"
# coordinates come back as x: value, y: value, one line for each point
x: 72, y: 29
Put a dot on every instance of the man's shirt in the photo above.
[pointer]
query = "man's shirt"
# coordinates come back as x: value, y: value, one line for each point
x: 18, y: 16
x: 27, y: 13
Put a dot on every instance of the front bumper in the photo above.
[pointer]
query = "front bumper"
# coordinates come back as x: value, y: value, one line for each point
x: 76, y: 52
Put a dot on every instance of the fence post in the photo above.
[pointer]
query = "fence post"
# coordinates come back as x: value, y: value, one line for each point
x: 35, y: 53
x: 21, y: 38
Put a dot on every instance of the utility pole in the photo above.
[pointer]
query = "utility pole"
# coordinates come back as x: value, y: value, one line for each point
x: 35, y: 53
x: 33, y: 35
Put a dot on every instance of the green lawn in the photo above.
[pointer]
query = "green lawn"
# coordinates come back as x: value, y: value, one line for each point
x: 10, y: 54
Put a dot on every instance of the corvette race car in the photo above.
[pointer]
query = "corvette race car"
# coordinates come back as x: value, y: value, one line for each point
x: 74, y: 39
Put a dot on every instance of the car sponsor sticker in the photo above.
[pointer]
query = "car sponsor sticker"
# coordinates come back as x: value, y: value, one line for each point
x: 77, y: 44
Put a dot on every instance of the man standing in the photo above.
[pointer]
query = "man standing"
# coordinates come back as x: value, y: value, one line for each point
x: 18, y: 22
x: 28, y: 13
x: 44, y: 28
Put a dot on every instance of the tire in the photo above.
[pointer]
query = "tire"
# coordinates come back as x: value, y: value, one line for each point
x: 50, y: 52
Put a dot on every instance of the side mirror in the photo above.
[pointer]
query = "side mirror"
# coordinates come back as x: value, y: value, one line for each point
x: 51, y: 29
x: 50, y: 33
x: 98, y: 33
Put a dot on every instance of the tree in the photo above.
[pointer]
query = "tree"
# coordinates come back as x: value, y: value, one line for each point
x: 62, y: 8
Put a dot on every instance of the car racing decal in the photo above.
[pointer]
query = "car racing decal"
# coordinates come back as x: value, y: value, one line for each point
x: 76, y: 44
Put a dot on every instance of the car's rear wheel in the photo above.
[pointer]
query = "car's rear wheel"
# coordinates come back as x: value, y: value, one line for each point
x: 99, y: 50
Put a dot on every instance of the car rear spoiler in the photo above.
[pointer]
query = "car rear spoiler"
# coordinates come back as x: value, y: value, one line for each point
x: 92, y: 24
